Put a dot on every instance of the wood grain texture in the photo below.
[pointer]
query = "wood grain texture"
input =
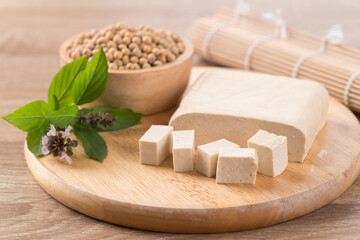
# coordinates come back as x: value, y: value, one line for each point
x: 146, y: 90
x: 125, y: 192
x: 31, y: 32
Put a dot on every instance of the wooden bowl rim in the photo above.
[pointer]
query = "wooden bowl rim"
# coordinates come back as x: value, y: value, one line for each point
x: 188, y: 53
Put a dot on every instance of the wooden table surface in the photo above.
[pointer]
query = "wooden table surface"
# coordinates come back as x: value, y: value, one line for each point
x: 30, y: 34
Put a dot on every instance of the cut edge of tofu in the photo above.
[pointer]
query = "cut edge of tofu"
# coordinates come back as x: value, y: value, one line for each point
x: 270, y: 139
x: 163, y: 139
x: 251, y: 154
x: 165, y: 131
x: 272, y: 143
x: 215, y: 145
x: 232, y: 152
x: 187, y: 135
x: 183, y: 140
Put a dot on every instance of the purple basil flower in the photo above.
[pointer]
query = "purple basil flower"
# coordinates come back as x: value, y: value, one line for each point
x: 44, y: 150
x: 68, y: 159
x: 95, y: 119
x: 59, y: 144
x: 44, y: 140
x: 67, y: 131
x: 52, y: 131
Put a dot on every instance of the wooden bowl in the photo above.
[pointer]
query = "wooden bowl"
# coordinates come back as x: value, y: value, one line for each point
x: 146, y: 90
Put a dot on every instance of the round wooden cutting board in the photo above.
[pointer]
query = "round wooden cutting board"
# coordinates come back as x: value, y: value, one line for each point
x: 124, y: 192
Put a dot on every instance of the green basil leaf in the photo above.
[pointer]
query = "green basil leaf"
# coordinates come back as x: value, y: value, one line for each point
x: 94, y: 145
x: 54, y: 103
x: 91, y: 82
x: 63, y: 117
x: 30, y: 118
x: 62, y: 82
x: 100, y: 108
x: 33, y: 141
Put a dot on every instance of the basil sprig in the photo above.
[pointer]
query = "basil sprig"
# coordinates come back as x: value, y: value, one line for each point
x: 76, y: 83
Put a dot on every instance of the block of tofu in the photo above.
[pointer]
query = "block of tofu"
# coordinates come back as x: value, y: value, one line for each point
x: 183, y: 150
x: 237, y: 165
x: 272, y: 152
x: 207, y: 156
x: 235, y: 105
x: 154, y: 145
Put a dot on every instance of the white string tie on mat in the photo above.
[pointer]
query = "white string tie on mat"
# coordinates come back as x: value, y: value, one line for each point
x: 348, y: 86
x: 242, y: 8
x: 334, y: 36
x: 280, y: 32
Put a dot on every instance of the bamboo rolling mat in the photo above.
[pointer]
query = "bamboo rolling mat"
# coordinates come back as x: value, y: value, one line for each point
x: 337, y: 68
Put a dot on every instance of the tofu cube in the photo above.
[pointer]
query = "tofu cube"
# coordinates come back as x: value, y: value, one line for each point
x: 272, y: 152
x: 207, y: 156
x: 237, y: 165
x: 183, y: 150
x: 154, y: 145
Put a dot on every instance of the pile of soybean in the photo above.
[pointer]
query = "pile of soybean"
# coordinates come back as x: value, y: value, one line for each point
x: 129, y: 48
